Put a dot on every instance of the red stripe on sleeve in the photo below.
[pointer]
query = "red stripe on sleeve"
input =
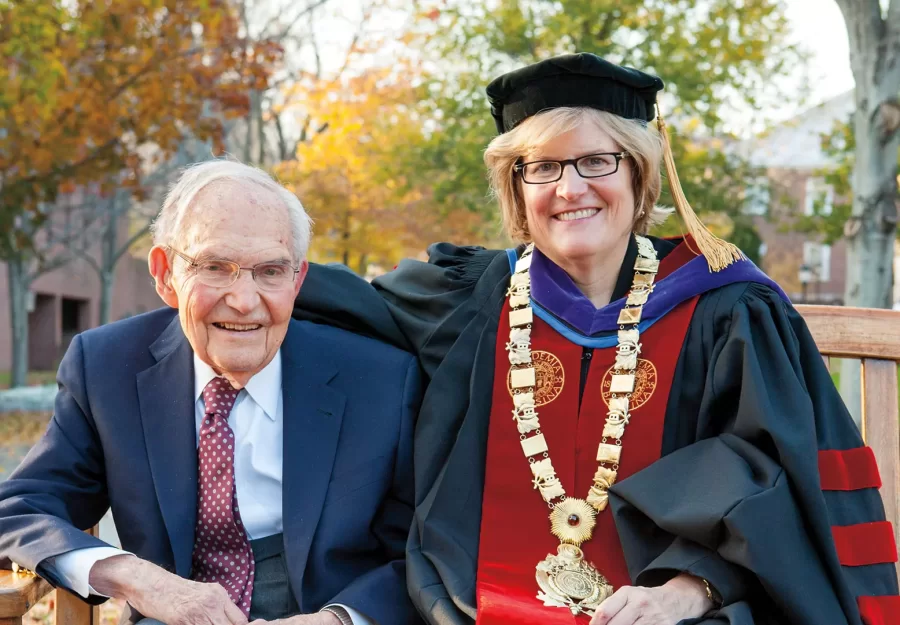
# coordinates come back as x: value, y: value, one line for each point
x: 879, y: 610
x: 865, y: 543
x: 849, y: 469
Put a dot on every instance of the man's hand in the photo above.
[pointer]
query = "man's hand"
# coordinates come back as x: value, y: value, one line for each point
x: 320, y: 618
x: 681, y: 598
x: 158, y: 594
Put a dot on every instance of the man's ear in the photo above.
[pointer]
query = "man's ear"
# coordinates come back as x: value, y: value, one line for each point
x: 301, y: 276
x: 161, y: 270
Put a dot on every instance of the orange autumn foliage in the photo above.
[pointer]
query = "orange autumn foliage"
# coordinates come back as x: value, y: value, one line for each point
x: 89, y: 84
x: 361, y: 178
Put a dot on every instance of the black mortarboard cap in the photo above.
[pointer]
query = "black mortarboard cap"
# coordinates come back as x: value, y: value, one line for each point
x: 572, y: 80
x: 586, y: 80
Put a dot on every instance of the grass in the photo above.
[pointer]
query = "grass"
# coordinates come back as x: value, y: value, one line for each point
x: 19, y: 430
x: 835, y: 370
x: 35, y: 378
x: 22, y: 428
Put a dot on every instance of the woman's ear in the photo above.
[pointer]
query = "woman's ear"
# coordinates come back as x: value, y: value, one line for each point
x: 161, y: 270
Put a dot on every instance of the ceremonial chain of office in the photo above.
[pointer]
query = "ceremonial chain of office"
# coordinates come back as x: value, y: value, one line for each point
x: 566, y: 579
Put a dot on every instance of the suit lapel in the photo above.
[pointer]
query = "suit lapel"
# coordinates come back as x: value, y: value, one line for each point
x: 313, y: 412
x: 166, y: 395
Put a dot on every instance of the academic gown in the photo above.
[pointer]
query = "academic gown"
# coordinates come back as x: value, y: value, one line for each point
x: 764, y: 486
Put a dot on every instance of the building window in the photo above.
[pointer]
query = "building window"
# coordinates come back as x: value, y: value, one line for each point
x: 756, y: 197
x: 819, y: 194
x: 817, y: 257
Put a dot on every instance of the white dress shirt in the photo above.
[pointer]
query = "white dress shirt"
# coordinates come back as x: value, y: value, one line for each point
x: 257, y: 421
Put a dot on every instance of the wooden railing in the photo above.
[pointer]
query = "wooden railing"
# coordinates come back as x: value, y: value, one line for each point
x: 871, y: 336
x: 20, y: 592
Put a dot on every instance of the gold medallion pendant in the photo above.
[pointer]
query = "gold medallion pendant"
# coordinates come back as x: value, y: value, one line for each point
x: 567, y: 581
x: 572, y: 521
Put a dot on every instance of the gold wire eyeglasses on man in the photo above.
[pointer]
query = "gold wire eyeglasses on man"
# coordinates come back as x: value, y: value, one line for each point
x: 220, y: 273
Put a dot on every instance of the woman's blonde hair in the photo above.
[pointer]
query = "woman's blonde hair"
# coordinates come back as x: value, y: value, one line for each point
x: 643, y: 144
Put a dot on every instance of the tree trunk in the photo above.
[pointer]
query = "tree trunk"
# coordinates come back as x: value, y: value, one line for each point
x: 108, y: 259
x: 346, y: 238
x: 248, y: 136
x: 851, y: 388
x: 18, y: 314
x: 260, y: 130
x: 872, y: 227
x: 107, y: 277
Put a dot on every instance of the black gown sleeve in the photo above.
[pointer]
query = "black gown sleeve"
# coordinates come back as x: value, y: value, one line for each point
x: 432, y: 302
x: 333, y: 295
x: 418, y: 307
x: 737, y: 496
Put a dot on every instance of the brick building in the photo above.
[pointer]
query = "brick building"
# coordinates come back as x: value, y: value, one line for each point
x: 791, y: 156
x: 66, y: 301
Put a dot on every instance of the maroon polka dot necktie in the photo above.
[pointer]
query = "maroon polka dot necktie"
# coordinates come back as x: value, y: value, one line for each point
x: 221, y: 548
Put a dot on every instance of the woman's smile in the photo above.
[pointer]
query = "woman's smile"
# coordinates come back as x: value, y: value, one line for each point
x: 578, y: 214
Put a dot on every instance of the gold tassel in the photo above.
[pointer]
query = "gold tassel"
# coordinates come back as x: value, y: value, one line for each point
x: 718, y: 253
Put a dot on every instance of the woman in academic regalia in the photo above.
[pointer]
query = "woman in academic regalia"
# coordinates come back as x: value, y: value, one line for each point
x: 617, y: 429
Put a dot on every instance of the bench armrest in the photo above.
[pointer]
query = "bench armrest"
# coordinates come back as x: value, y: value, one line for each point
x: 19, y: 593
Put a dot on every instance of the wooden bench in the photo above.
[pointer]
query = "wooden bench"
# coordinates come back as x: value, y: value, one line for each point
x: 869, y: 335
x: 19, y: 593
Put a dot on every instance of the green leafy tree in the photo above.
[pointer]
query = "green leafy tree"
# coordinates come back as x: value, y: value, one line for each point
x: 714, y: 57
x: 829, y: 215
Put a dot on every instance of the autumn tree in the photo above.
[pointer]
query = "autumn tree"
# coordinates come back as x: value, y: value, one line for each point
x: 277, y: 120
x: 87, y: 85
x: 265, y: 133
x: 399, y: 163
x: 358, y: 178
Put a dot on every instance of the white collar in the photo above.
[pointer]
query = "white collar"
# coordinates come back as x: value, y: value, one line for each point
x: 264, y: 387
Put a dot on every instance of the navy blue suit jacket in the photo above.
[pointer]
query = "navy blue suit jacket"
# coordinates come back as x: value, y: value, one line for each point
x: 123, y: 436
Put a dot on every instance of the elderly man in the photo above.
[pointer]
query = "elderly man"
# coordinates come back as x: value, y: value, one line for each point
x: 257, y: 467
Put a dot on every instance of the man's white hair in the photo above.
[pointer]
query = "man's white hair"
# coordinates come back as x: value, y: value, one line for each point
x: 196, y: 177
